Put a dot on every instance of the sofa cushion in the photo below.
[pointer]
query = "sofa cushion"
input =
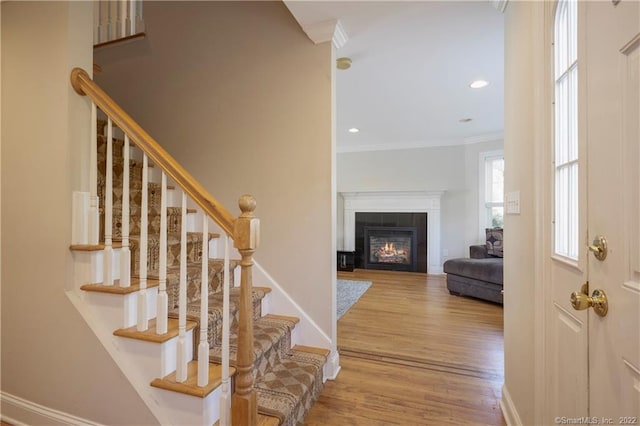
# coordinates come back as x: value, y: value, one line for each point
x: 489, y: 269
x: 463, y: 286
x: 494, y: 242
x: 478, y: 251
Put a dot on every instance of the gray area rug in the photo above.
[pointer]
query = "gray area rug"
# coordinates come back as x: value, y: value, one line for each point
x: 348, y: 293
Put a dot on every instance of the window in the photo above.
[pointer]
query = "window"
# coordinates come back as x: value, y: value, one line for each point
x: 491, y: 190
x: 566, y: 129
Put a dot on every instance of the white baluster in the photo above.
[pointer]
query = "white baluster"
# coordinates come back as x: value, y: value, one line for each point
x: 94, y: 212
x: 139, y: 19
x: 181, y: 368
x: 131, y: 17
x: 96, y: 23
x: 102, y: 21
x: 125, y: 251
x: 122, y: 18
x: 203, y: 346
x: 162, y: 310
x: 108, y: 209
x: 113, y: 20
x: 143, y: 321
x: 225, y: 394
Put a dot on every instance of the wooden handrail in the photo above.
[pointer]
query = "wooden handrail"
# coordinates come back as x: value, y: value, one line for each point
x: 85, y: 86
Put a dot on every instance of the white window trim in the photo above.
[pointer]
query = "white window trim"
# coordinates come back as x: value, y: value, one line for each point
x: 572, y: 241
x: 482, y: 180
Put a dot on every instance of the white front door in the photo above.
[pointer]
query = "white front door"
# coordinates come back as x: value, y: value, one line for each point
x: 613, y: 192
x: 594, y: 361
x: 567, y: 330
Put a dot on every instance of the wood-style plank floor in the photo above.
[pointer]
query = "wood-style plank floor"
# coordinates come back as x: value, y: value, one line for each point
x: 411, y: 354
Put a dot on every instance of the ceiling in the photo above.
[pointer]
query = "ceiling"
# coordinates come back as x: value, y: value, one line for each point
x: 412, y: 62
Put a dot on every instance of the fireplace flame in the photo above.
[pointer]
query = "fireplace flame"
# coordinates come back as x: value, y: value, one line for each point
x: 389, y: 250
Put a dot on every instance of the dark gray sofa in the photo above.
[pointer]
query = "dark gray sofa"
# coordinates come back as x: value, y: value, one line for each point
x: 479, y: 276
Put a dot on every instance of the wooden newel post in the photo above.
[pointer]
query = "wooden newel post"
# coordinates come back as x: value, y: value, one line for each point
x: 246, y: 234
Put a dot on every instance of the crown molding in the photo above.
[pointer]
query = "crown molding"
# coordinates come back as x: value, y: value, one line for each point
x: 322, y: 32
x: 487, y: 137
x: 397, y: 146
x: 340, y: 36
x: 500, y: 5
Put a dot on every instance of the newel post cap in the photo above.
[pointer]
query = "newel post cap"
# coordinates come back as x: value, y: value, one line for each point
x: 246, y: 229
x: 247, y: 204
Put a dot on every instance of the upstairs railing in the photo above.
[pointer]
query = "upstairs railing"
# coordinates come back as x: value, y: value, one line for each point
x: 116, y: 19
x: 244, y: 230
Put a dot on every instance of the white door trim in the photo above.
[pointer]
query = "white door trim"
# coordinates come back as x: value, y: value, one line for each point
x: 542, y: 196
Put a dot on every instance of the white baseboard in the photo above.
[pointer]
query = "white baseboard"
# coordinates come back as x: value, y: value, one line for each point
x: 307, y: 331
x: 509, y: 409
x: 332, y: 367
x: 21, y: 412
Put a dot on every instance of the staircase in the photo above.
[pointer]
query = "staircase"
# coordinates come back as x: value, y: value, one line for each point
x: 182, y: 342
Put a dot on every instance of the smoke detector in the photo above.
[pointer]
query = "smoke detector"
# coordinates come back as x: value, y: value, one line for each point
x: 343, y: 63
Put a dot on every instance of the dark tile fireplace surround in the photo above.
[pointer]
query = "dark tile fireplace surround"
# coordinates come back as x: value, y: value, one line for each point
x: 391, y: 241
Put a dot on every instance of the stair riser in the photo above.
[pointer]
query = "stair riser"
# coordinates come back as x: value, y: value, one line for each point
x: 215, y: 318
x: 174, y: 222
x: 194, y: 252
x: 135, y: 185
x: 270, y: 347
x: 194, y: 284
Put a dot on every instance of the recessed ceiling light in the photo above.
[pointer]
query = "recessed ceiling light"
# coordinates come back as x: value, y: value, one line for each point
x: 354, y: 130
x: 465, y: 120
x: 478, y: 84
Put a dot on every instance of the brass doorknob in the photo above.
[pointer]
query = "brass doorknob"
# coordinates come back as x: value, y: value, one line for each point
x: 597, y: 301
x: 599, y: 247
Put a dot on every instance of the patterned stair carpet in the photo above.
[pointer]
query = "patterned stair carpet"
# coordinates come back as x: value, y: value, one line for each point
x: 287, y: 381
x: 291, y: 387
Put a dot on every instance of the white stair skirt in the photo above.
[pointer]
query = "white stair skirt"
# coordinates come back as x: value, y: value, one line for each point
x: 394, y: 201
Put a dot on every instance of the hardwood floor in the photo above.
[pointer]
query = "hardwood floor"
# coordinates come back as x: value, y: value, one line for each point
x: 412, y: 354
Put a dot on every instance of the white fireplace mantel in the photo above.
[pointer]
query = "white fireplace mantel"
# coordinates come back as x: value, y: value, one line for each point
x: 390, y: 202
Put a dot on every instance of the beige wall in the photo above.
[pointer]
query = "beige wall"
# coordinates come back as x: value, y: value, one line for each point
x: 49, y: 355
x: 241, y: 97
x: 453, y: 169
x: 521, y: 32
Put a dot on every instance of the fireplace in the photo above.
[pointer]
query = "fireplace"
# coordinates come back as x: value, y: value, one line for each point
x: 391, y: 241
x: 392, y: 248
x: 358, y: 206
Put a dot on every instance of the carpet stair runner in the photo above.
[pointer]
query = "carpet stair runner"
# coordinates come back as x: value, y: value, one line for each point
x: 287, y: 380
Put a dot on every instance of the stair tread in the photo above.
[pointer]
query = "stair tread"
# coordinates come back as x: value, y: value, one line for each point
x: 150, y: 334
x: 236, y: 290
x: 93, y: 247
x: 171, y: 236
x: 190, y: 386
x: 264, y: 420
x: 312, y: 350
x: 116, y: 289
x: 295, y: 320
